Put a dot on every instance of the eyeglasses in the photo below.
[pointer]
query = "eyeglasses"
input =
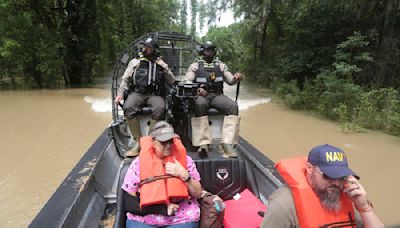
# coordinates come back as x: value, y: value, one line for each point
x: 328, y: 178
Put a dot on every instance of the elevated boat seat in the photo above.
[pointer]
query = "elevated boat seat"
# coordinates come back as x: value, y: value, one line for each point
x: 223, y: 177
x: 144, y: 117
x: 213, y: 112
x: 145, y: 111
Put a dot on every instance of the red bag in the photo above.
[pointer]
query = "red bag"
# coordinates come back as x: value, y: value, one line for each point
x: 243, y: 212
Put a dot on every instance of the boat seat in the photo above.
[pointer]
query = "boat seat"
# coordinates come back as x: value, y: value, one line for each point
x: 213, y: 112
x: 223, y: 177
x: 145, y: 111
x: 144, y: 117
x: 120, y: 217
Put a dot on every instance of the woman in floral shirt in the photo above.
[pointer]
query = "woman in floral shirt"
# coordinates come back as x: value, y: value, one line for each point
x: 184, y: 214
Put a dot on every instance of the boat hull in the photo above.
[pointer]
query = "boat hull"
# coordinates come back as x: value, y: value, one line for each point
x: 88, y: 195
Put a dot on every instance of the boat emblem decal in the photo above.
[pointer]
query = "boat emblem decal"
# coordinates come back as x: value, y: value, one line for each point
x: 222, y: 174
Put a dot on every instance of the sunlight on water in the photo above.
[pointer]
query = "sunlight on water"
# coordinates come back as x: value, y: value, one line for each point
x: 246, y: 104
x: 99, y: 104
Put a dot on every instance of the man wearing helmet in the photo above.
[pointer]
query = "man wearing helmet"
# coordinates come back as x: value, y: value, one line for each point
x: 211, y: 75
x: 144, y: 80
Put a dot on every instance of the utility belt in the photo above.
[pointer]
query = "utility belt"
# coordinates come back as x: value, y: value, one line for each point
x: 217, y: 88
x: 149, y: 90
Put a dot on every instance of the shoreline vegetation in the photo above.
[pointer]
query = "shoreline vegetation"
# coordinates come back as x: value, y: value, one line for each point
x: 376, y: 109
x: 333, y: 94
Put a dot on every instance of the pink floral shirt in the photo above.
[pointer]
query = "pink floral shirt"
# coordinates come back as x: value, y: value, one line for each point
x: 189, y: 210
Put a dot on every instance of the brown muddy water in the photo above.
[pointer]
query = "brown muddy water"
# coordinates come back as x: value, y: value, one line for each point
x: 44, y: 134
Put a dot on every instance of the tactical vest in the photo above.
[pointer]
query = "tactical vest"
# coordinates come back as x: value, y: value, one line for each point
x: 149, y: 78
x: 210, y: 76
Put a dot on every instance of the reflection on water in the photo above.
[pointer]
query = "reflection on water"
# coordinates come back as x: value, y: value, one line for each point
x: 45, y: 133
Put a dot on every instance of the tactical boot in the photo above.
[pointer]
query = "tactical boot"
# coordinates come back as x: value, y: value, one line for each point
x: 229, y: 151
x: 134, y: 127
x: 201, y: 135
x: 203, y: 151
x: 230, y: 135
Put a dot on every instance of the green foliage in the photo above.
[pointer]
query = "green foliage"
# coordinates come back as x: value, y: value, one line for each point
x: 183, y: 17
x: 333, y: 93
x: 349, y: 55
x: 69, y: 43
x: 194, y: 8
x: 291, y: 94
x: 379, y: 109
x: 228, y: 45
x: 338, y: 99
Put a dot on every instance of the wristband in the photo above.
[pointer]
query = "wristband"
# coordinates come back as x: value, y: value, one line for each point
x: 368, y: 208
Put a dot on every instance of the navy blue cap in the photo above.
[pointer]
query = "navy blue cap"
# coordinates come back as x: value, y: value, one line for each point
x: 331, y: 160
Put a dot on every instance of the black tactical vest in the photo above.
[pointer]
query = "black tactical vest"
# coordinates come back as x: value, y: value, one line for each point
x: 210, y: 76
x: 149, y: 78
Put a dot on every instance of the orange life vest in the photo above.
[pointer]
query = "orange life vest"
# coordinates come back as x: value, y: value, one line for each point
x: 310, y: 212
x: 161, y: 191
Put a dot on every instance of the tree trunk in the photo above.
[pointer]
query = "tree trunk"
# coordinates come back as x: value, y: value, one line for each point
x: 65, y: 76
x: 255, y: 56
x: 11, y: 75
x: 386, y: 42
x: 263, y: 50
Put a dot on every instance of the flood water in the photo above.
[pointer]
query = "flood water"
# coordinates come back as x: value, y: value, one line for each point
x: 44, y: 134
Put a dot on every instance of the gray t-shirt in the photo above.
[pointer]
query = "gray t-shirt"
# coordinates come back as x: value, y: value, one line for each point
x: 281, y: 211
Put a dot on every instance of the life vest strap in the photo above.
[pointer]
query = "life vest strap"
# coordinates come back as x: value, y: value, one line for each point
x: 154, y: 178
x: 350, y: 223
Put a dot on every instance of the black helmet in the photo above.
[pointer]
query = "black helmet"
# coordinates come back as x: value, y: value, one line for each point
x: 150, y: 42
x: 206, y: 45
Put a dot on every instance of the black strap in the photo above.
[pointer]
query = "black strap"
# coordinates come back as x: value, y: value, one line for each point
x: 350, y: 223
x: 154, y: 178
x: 132, y: 205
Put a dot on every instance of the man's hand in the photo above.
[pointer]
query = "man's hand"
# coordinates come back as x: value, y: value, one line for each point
x: 238, y: 76
x: 176, y: 169
x: 356, y: 192
x: 172, y: 208
x: 118, y: 99
x: 202, y: 92
x: 161, y: 63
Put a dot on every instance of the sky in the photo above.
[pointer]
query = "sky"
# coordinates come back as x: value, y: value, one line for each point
x: 225, y: 20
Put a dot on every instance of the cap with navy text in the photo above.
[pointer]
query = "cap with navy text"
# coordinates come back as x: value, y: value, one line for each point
x: 331, y: 160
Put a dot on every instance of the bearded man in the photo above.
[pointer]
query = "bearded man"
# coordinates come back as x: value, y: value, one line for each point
x: 321, y: 191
